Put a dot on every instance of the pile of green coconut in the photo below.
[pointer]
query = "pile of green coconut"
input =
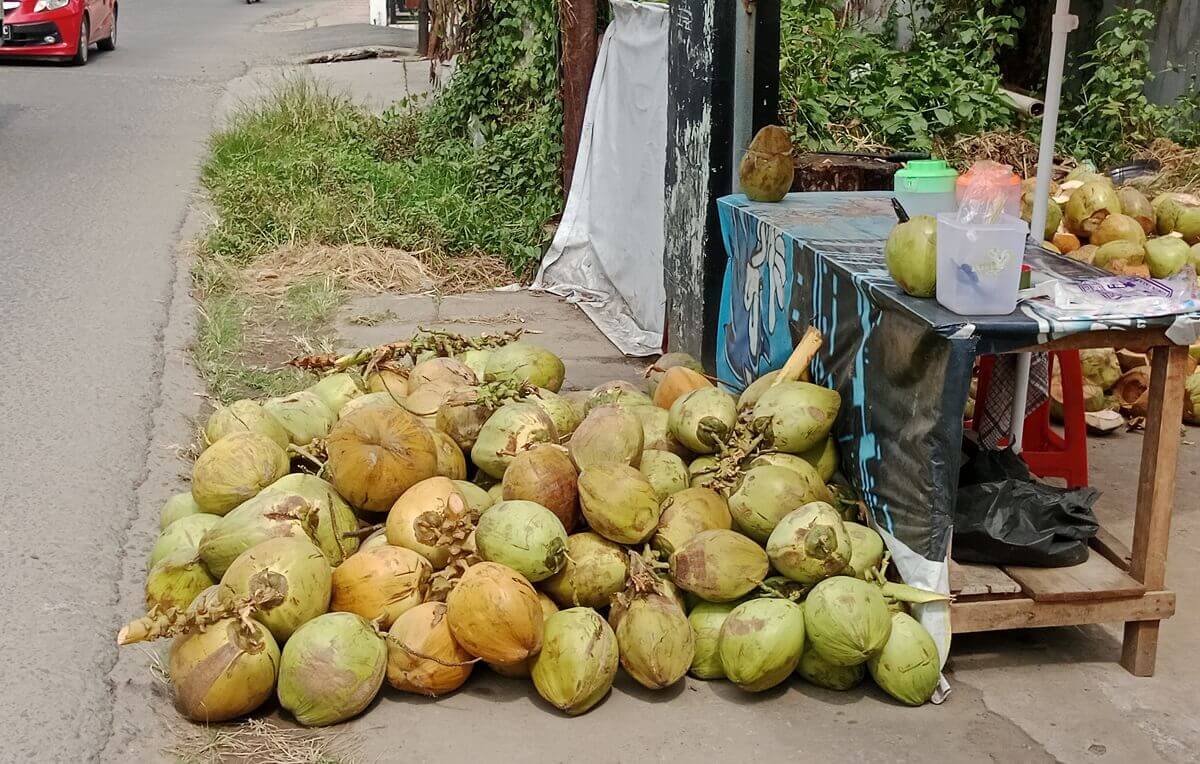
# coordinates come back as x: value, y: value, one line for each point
x: 439, y: 507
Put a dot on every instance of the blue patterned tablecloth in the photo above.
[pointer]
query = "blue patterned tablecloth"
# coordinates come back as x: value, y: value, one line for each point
x: 901, y: 364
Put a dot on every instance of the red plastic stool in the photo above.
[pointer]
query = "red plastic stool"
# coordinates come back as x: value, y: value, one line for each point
x: 1047, y: 453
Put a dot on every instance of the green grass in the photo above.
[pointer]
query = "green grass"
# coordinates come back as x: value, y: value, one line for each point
x: 307, y: 165
x: 220, y: 341
x: 312, y: 301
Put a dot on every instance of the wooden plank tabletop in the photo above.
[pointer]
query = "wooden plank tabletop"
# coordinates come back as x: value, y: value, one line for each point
x: 968, y: 580
x: 1095, y: 579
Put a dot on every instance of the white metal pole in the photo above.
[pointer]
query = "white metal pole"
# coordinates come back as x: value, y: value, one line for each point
x: 743, y: 87
x: 1062, y: 25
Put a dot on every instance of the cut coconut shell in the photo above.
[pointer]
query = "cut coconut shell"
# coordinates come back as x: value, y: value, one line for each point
x: 1129, y: 359
x: 1133, y: 391
x: 1103, y: 422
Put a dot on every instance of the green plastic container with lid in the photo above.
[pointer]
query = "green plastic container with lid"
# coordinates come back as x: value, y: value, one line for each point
x: 926, y: 187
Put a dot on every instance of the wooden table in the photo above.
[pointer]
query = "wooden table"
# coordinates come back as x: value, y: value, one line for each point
x: 902, y: 366
x: 1117, y: 583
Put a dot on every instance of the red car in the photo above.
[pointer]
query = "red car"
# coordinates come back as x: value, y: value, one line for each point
x: 57, y: 29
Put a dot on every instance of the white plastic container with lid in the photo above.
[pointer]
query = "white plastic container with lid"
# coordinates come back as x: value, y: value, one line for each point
x: 979, y: 266
x: 926, y: 187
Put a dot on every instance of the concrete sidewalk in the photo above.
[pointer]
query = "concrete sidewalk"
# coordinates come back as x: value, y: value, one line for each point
x: 1020, y: 696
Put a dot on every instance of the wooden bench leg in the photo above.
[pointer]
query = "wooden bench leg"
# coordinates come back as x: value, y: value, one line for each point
x: 1155, y: 496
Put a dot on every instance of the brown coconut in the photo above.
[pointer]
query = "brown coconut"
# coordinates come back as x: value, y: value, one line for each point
x: 766, y: 171
x: 545, y: 474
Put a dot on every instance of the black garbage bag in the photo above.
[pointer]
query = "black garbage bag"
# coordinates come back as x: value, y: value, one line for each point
x: 1005, y: 517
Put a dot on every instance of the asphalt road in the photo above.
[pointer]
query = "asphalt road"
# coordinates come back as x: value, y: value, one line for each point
x: 98, y: 168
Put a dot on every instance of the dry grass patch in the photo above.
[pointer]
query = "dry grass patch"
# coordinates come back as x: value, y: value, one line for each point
x: 355, y: 269
x: 258, y: 740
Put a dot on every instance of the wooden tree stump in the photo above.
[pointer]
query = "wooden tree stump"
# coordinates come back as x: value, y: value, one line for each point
x: 822, y: 172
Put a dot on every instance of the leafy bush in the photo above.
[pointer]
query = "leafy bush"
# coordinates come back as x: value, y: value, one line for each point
x: 842, y: 87
x: 475, y: 172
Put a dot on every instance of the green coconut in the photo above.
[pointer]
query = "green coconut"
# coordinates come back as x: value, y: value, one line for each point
x: 478, y: 499
x: 294, y: 568
x: 175, y: 581
x: 367, y: 400
x: 564, y: 415
x: 334, y: 517
x: 801, y: 415
x: 866, y: 550
x: 244, y: 416
x: 1166, y: 256
x: 700, y: 419
x: 754, y: 391
x: 763, y: 495
x: 181, y: 538
x: 1118, y: 227
x: 719, y: 565
x: 594, y: 573
x: 824, y: 458
x: 1121, y: 251
x: 656, y: 431
x: 428, y: 402
x: 578, y: 661
x: 1188, y: 224
x: 1166, y: 213
x: 248, y: 661
x: 462, y: 414
x: 687, y: 513
x: 761, y: 642
x: 527, y: 363
x: 525, y: 536
x: 810, y: 544
x: 1135, y: 204
x: 619, y: 503
x: 670, y: 361
x: 1100, y: 366
x: 847, y: 619
x: 702, y: 471
x: 907, y: 668
x: 331, y: 669
x: 816, y: 670
x: 1054, y: 213
x: 266, y: 516
x: 1191, y: 398
x: 655, y: 639
x: 616, y: 393
x: 304, y: 415
x: 179, y: 506
x: 911, y: 255
x: 666, y: 472
x: 512, y: 429
x: 451, y: 371
x: 706, y: 620
x: 476, y: 361
x: 607, y: 435
x: 336, y: 390
x: 1089, y: 205
x: 235, y: 469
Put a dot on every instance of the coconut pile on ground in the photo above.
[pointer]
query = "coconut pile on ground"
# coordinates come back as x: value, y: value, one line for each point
x: 431, y: 505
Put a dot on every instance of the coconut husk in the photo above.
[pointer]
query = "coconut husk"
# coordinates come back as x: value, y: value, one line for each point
x: 1103, y: 422
x: 1133, y: 391
x: 1129, y: 359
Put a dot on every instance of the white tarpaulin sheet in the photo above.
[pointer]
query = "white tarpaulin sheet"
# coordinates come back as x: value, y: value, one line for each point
x: 608, y: 252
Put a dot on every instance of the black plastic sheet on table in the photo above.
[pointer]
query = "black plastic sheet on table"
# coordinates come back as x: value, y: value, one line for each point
x: 901, y: 364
